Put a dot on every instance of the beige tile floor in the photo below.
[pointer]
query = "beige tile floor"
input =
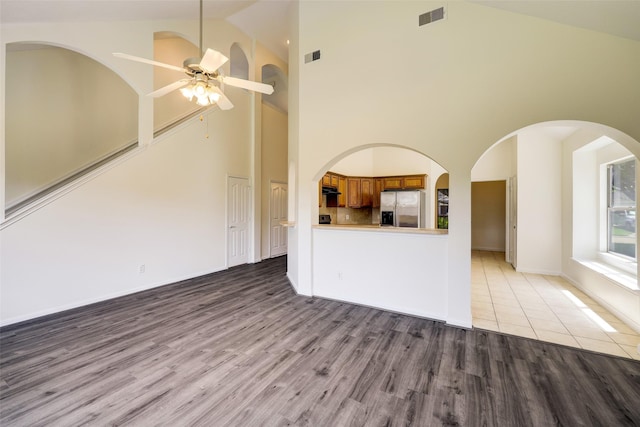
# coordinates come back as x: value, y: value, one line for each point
x: 547, y: 308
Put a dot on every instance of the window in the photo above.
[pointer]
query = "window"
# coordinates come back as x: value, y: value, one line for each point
x: 621, y: 208
x: 443, y: 208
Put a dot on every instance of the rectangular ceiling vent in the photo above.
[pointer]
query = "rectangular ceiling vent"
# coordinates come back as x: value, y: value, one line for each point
x: 313, y: 56
x: 431, y: 16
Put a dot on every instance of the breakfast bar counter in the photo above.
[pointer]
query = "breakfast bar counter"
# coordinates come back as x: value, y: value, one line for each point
x: 382, y: 228
x: 393, y: 268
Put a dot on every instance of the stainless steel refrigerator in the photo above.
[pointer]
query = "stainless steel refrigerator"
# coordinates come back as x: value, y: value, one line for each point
x: 402, y: 208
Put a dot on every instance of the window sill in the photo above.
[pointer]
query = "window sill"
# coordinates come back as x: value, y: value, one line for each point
x: 624, y: 264
x: 620, y: 276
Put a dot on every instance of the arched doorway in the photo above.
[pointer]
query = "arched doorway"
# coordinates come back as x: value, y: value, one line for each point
x: 361, y: 259
x: 561, y: 290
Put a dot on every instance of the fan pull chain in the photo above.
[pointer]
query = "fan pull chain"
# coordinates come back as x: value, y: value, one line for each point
x: 206, y: 133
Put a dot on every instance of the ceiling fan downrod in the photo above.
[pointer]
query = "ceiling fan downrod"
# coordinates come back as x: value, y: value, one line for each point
x: 200, y: 40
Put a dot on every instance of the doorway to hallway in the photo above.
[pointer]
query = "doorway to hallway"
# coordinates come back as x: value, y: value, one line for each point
x: 277, y: 214
x: 238, y: 215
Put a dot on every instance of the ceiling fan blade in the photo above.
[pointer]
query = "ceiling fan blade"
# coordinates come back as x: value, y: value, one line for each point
x: 147, y: 61
x: 248, y: 84
x: 168, y: 88
x: 212, y: 60
x: 223, y: 102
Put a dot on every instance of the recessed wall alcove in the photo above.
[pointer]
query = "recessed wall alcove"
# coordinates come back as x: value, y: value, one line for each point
x: 56, y: 102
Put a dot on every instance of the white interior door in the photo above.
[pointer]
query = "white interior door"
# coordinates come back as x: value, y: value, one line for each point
x: 238, y: 204
x: 512, y: 220
x: 278, y: 234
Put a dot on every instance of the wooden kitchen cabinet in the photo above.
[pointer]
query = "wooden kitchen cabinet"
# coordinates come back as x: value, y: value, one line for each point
x: 359, y: 192
x: 414, y: 182
x: 354, y: 195
x: 333, y: 180
x: 342, y: 188
x: 366, y: 190
x: 407, y: 182
x: 393, y: 182
x: 378, y: 187
x: 330, y: 180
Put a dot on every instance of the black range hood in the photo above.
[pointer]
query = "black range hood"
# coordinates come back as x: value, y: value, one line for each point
x: 330, y: 190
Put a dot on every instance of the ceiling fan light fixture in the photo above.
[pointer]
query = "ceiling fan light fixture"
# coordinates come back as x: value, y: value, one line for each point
x: 204, y: 81
x: 200, y: 89
x: 213, y: 95
x: 203, y: 101
x: 187, y: 92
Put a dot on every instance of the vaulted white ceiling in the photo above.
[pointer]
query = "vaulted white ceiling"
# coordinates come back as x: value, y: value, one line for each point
x: 266, y: 20
x: 617, y: 17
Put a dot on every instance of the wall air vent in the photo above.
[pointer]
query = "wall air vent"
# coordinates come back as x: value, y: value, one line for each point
x: 313, y: 56
x: 431, y: 16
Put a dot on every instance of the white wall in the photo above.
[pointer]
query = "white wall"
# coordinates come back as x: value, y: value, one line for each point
x: 539, y: 203
x: 459, y: 85
x: 497, y: 163
x: 163, y: 206
x: 585, y: 218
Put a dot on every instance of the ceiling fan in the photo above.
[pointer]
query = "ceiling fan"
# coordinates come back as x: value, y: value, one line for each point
x: 204, y: 78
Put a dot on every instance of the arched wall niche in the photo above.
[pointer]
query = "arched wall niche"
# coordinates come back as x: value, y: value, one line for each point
x: 171, y: 48
x: 442, y: 181
x: 239, y: 64
x: 37, y: 44
x: 57, y: 138
x: 276, y: 77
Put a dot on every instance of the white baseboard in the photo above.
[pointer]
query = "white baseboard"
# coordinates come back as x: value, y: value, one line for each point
x: 489, y: 249
x: 385, y: 307
x: 538, y: 271
x: 619, y: 314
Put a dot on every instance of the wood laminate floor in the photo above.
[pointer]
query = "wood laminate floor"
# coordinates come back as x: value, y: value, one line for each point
x: 239, y: 348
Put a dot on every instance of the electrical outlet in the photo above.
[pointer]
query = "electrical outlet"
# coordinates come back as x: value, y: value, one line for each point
x: 347, y: 216
x: 142, y: 268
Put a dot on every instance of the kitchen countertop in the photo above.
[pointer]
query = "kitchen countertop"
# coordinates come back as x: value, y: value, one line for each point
x: 379, y: 228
